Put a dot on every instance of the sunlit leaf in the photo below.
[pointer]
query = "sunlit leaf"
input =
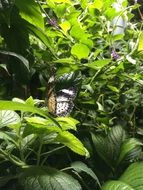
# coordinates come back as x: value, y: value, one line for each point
x: 72, y: 142
x: 140, y: 45
x: 65, y: 26
x: 78, y: 32
x: 8, y: 117
x: 8, y: 105
x: 30, y: 11
x: 98, y: 64
x: 133, y: 176
x: 80, y: 50
x: 116, y: 185
x: 67, y: 122
x: 129, y: 146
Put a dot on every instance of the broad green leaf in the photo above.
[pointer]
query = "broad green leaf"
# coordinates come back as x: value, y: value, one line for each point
x: 42, y: 36
x: 108, y: 146
x: 4, y: 180
x: 19, y: 57
x: 80, y: 50
x: 40, y: 130
x: 134, y: 176
x: 84, y: 3
x: 9, y: 105
x: 140, y: 45
x: 8, y: 117
x: 129, y: 146
x: 116, y: 185
x: 38, y: 125
x: 97, y: 4
x: 87, y: 42
x: 30, y: 11
x: 99, y: 64
x: 67, y: 123
x: 46, y: 178
x: 81, y: 167
x: 78, y: 32
x: 65, y: 26
x: 72, y: 142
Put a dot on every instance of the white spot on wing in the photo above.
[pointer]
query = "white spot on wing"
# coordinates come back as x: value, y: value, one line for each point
x: 62, y: 99
x: 68, y: 91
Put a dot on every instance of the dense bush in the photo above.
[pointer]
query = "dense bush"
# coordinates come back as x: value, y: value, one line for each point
x: 99, y: 44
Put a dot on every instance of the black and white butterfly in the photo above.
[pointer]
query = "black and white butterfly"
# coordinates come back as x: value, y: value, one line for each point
x: 60, y: 95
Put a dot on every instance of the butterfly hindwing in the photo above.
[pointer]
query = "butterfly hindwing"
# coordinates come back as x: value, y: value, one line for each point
x: 65, y: 103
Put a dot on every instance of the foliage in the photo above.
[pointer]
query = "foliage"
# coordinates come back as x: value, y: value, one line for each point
x: 100, y: 40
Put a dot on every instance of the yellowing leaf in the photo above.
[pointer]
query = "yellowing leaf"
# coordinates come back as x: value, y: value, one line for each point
x: 98, y: 4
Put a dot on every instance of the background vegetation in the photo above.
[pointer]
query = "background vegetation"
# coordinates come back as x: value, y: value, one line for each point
x: 100, y: 42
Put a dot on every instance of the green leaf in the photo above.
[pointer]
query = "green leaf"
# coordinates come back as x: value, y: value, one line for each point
x: 46, y: 178
x: 8, y: 138
x: 30, y: 11
x: 4, y: 180
x: 19, y: 57
x: 140, y: 45
x: 41, y: 35
x: 30, y: 101
x: 99, y: 64
x: 67, y: 122
x: 80, y: 50
x: 108, y: 147
x: 113, y: 88
x: 8, y: 117
x: 87, y: 42
x: 38, y: 125
x: 65, y: 60
x: 134, y: 176
x: 9, y: 105
x: 65, y: 26
x: 129, y: 146
x: 98, y: 4
x: 78, y: 32
x: 116, y: 185
x: 3, y: 66
x: 71, y: 142
x: 81, y: 167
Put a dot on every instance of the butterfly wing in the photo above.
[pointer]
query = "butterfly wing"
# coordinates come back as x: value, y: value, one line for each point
x: 61, y: 94
x: 64, y: 101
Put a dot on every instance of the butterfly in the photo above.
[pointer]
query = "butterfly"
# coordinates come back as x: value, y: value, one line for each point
x: 60, y: 95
